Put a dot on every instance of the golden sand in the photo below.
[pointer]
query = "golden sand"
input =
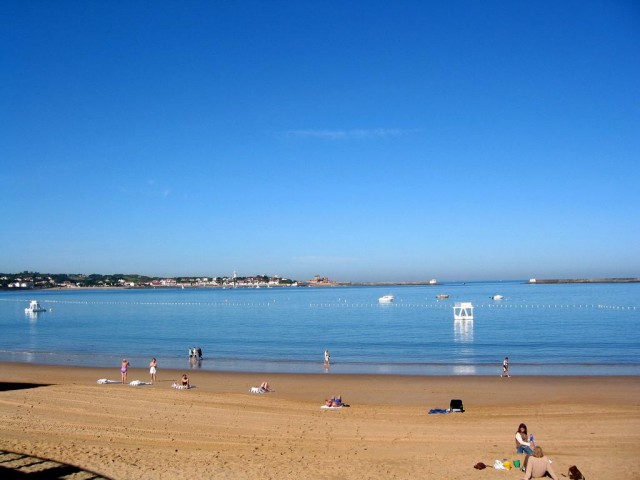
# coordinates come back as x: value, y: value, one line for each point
x: 220, y: 430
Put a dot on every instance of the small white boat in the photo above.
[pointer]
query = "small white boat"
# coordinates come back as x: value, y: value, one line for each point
x: 463, y: 311
x: 34, y: 307
x: 386, y: 299
x: 497, y: 297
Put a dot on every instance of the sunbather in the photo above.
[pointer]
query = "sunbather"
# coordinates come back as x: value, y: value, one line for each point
x: 538, y: 466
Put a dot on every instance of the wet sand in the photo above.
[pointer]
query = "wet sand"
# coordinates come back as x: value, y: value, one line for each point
x: 220, y: 430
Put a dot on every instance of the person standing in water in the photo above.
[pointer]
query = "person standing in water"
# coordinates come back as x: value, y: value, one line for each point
x: 505, y: 367
x: 326, y: 358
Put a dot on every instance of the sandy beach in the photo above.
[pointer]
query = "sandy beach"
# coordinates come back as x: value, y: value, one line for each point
x: 220, y: 430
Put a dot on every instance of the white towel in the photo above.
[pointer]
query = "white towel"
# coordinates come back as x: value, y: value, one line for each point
x: 137, y: 383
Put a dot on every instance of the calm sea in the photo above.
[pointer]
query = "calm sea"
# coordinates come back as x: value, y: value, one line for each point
x: 568, y: 329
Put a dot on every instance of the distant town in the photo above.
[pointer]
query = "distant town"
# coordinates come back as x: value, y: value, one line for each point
x: 35, y: 280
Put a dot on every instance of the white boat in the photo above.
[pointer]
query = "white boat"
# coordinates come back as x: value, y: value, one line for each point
x: 386, y: 299
x: 34, y: 307
x: 463, y: 311
x: 497, y: 297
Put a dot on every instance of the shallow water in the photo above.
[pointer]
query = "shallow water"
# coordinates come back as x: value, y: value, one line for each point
x: 569, y: 329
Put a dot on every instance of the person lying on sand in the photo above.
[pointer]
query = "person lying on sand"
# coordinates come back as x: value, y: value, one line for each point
x: 335, y: 401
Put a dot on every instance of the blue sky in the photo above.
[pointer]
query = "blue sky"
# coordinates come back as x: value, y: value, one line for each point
x: 375, y: 140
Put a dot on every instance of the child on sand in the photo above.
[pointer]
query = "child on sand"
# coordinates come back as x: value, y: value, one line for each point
x: 124, y: 368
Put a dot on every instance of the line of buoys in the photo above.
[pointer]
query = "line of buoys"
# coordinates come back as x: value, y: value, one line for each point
x: 499, y: 306
x: 343, y: 304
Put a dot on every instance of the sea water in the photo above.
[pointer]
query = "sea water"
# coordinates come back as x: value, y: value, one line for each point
x: 559, y: 329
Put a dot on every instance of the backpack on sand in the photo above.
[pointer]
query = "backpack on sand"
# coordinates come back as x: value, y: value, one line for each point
x: 456, y: 406
x: 575, y: 474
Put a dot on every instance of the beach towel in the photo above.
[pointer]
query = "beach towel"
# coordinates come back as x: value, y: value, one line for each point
x: 498, y: 465
x: 327, y: 407
x: 438, y: 410
x: 104, y: 381
x: 137, y: 383
x: 182, y: 387
x: 258, y: 390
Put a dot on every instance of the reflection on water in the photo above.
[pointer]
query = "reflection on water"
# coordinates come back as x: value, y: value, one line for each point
x: 195, y: 362
x: 31, y: 316
x: 464, y: 370
x: 463, y: 330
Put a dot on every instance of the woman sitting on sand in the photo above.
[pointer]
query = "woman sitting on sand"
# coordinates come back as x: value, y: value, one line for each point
x: 522, y: 445
x: 185, y: 381
x: 538, y: 466
x: 265, y: 386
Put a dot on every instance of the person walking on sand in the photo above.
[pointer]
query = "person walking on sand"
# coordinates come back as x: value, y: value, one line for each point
x: 153, y: 367
x: 505, y: 368
x: 124, y: 368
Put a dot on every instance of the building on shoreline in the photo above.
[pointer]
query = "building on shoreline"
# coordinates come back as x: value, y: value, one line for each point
x: 28, y: 280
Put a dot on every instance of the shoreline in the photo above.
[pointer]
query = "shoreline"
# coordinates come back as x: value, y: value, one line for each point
x: 259, y: 367
x: 303, y: 284
x: 220, y: 430
x: 90, y: 369
x: 552, y: 281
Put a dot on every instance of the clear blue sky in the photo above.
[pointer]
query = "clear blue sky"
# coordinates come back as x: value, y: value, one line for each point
x: 359, y: 140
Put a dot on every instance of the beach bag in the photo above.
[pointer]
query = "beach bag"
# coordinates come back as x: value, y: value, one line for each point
x: 456, y: 406
x: 480, y: 466
x: 575, y: 474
